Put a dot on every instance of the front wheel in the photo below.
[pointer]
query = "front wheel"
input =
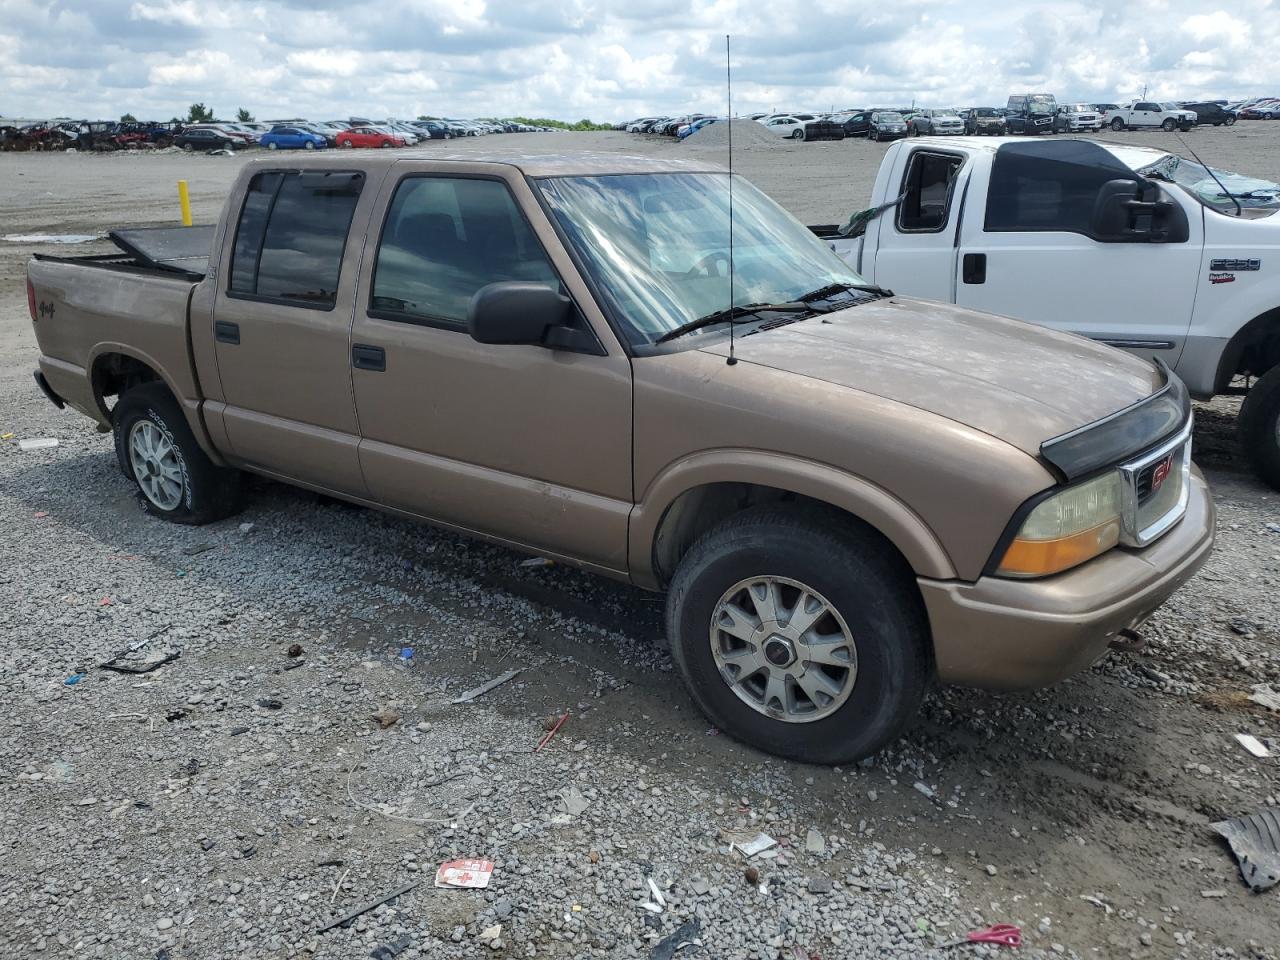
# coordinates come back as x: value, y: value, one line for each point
x: 309, y: 145
x: 1117, y: 124
x: 157, y: 451
x: 799, y: 636
x: 271, y: 145
x: 347, y: 145
x: 187, y: 147
x: 797, y: 134
x: 1169, y: 125
x: 1230, y: 121
x: 1260, y: 426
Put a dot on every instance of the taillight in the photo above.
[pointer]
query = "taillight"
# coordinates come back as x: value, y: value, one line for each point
x: 31, y: 299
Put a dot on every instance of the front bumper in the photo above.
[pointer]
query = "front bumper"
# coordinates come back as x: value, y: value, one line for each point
x: 1017, y: 634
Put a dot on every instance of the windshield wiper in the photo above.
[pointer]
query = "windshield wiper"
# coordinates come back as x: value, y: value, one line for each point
x: 731, y: 314
x: 830, y: 289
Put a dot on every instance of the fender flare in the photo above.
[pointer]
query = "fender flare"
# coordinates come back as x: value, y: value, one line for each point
x: 190, y: 406
x: 872, y: 504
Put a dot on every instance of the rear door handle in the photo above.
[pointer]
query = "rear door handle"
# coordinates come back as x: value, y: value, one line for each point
x: 365, y: 357
x: 973, y: 268
x: 224, y: 331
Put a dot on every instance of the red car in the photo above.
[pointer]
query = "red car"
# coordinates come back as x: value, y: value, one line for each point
x: 368, y: 137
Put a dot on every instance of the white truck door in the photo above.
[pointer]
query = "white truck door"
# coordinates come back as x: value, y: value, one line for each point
x: 1029, y: 249
x: 914, y: 243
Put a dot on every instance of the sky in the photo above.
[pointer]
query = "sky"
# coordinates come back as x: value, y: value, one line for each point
x: 611, y: 60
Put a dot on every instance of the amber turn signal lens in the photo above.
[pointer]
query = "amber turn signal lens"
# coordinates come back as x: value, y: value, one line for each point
x: 1040, y: 558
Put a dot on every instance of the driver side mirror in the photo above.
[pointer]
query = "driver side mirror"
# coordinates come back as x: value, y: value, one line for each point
x: 515, y: 312
x: 1133, y: 211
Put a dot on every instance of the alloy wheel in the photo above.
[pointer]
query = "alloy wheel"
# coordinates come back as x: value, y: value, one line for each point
x: 155, y: 465
x: 783, y: 649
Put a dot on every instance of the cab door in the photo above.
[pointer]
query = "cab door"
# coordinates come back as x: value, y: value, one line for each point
x: 524, y: 444
x: 914, y: 243
x: 282, y: 325
x: 1027, y: 251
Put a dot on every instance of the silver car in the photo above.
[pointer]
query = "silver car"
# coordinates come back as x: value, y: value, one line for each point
x: 937, y: 123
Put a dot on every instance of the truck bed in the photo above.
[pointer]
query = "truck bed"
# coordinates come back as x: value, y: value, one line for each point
x: 180, y: 251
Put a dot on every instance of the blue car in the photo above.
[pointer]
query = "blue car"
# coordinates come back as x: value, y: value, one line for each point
x: 292, y: 138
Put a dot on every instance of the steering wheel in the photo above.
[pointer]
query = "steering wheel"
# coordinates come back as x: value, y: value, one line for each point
x: 708, y: 266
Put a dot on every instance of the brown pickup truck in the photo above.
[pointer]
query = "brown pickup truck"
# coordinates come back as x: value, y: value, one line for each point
x: 845, y: 494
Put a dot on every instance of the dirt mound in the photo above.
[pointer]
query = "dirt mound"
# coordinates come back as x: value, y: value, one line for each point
x: 746, y: 133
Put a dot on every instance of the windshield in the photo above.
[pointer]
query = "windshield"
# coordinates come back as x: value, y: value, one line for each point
x: 984, y: 112
x: 1079, y: 108
x: 1041, y: 103
x: 658, y: 246
x: 1253, y: 194
x: 887, y: 117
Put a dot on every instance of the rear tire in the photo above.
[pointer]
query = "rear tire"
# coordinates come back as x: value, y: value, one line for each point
x: 1260, y: 427
x: 868, y: 597
x: 157, y: 450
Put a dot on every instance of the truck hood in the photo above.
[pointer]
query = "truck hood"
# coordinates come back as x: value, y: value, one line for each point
x: 1015, y: 381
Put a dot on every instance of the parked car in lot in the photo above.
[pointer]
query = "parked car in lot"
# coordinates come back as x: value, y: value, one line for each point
x: 983, y: 222
x: 936, y: 123
x: 1138, y: 114
x: 1077, y: 118
x: 433, y: 129
x: 791, y: 128
x: 983, y: 121
x: 1264, y: 110
x: 1031, y: 113
x: 368, y: 137
x: 883, y: 492
x: 1211, y: 113
x: 202, y: 138
x: 857, y: 123
x: 293, y: 138
x: 1104, y: 111
x: 886, y: 125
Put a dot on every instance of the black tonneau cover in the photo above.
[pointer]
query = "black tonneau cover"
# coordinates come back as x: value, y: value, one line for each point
x: 181, y: 249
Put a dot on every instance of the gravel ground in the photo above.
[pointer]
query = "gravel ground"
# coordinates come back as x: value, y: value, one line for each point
x: 236, y: 799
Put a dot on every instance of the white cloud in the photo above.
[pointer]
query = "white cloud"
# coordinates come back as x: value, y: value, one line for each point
x: 610, y: 59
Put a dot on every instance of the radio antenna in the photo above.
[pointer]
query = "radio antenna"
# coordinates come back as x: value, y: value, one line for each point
x: 728, y: 83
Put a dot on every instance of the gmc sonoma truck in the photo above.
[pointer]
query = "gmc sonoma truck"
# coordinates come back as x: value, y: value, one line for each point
x: 1132, y: 246
x: 845, y: 494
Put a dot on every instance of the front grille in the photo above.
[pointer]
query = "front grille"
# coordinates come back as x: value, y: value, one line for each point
x: 1151, y: 508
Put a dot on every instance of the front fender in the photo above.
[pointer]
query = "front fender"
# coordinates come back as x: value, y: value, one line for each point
x: 818, y: 481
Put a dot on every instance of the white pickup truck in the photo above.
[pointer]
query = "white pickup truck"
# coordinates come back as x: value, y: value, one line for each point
x: 1150, y: 113
x: 1133, y: 246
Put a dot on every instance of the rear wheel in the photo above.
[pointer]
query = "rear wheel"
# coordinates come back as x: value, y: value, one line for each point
x: 1260, y: 426
x: 799, y: 636
x: 176, y: 479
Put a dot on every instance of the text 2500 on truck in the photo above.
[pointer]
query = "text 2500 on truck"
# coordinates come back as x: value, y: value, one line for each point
x: 862, y: 494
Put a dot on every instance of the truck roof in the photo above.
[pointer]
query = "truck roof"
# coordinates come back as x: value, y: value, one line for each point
x: 1135, y: 158
x: 578, y: 163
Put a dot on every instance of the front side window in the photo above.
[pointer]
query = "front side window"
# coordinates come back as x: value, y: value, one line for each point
x: 927, y: 192
x: 443, y: 240
x: 1054, y: 187
x: 291, y: 236
x: 657, y: 245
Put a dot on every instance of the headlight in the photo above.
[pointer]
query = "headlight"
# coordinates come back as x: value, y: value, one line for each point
x: 1066, y: 529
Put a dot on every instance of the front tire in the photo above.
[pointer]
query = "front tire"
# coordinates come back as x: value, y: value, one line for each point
x: 835, y: 687
x: 309, y: 145
x: 797, y: 135
x: 1117, y: 124
x: 1230, y: 121
x: 272, y: 145
x: 1260, y: 426
x: 157, y: 450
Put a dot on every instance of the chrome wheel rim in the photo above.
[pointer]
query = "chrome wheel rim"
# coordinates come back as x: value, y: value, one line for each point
x: 783, y: 649
x: 155, y: 465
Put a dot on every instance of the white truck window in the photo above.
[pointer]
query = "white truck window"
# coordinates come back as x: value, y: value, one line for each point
x: 927, y: 191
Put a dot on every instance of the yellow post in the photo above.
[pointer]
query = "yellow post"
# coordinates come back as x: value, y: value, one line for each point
x: 184, y: 200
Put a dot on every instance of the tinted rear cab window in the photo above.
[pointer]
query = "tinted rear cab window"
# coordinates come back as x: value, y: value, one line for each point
x: 291, y: 236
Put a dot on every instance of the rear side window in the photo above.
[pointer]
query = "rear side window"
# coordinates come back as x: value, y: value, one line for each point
x: 291, y: 236
x: 926, y: 190
x: 443, y: 240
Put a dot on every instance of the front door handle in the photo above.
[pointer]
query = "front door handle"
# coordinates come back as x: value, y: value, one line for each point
x: 224, y: 331
x: 365, y: 357
x: 973, y: 268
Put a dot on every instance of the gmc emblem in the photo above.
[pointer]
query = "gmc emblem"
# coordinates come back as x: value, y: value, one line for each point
x: 1161, y: 473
